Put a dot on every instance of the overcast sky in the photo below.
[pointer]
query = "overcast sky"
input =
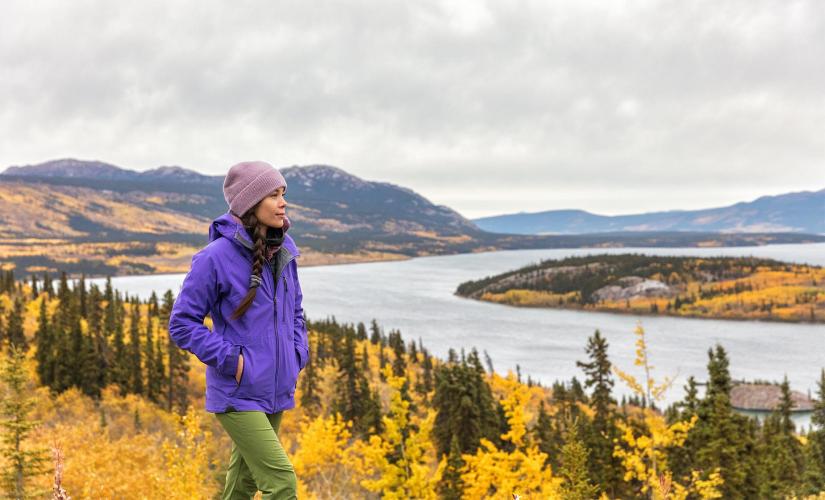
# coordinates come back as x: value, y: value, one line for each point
x: 488, y: 107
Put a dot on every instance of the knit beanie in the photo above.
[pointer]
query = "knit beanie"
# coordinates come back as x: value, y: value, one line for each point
x: 249, y: 182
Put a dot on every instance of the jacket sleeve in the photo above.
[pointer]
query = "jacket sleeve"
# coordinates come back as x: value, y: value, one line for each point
x: 299, y: 326
x: 196, y: 299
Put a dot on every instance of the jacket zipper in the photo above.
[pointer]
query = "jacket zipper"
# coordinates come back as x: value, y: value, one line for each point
x: 286, y: 291
x: 275, y: 304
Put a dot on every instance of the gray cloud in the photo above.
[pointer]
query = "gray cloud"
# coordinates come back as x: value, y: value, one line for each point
x: 487, y: 107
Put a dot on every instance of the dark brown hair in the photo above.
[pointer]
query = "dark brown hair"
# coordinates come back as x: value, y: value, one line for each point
x: 258, y: 233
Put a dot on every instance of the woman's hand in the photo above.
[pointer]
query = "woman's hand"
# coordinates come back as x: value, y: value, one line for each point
x: 239, y: 371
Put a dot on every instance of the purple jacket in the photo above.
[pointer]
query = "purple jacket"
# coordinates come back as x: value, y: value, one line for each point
x: 271, y: 335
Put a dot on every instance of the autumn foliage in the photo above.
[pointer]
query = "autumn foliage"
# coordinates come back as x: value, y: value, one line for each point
x: 378, y: 417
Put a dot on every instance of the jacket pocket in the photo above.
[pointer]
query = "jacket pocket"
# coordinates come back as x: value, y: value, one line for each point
x: 257, y: 375
x: 288, y: 369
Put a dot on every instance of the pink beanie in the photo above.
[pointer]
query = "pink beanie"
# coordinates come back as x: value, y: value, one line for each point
x: 249, y: 182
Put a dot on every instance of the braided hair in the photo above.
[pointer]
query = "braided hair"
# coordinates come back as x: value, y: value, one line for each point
x: 258, y: 233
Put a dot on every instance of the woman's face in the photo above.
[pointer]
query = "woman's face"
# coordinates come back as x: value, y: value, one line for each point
x: 272, y: 209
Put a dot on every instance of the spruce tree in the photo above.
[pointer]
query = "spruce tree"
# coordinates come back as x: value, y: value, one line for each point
x: 451, y: 486
x: 153, y: 383
x: 574, y: 470
x: 361, y: 332
x: 465, y: 407
x: 396, y: 343
x: 721, y: 438
x: 80, y: 291
x: 352, y: 393
x: 14, y: 331
x: 101, y: 355
x: 135, y: 367
x: 3, y: 338
x: 549, y: 437
x: 15, y: 407
x: 375, y: 332
x: 310, y: 399
x: 44, y: 341
x: 815, y: 449
x: 605, y: 470
x: 120, y: 358
x: 47, y: 284
x: 177, y: 375
x: 783, y: 453
x: 382, y: 359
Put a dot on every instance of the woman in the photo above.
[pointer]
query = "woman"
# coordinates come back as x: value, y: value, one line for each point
x: 246, y: 280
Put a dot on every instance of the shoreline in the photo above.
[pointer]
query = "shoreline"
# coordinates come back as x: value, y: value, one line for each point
x: 647, y: 314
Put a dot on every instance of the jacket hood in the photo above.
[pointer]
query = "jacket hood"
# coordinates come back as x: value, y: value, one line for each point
x: 230, y: 227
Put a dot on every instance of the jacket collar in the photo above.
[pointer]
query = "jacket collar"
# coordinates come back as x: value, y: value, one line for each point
x: 229, y: 226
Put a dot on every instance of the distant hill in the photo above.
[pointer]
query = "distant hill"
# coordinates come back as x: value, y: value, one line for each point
x: 95, y: 217
x: 802, y: 212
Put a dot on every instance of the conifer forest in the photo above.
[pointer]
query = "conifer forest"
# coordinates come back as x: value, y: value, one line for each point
x: 98, y: 403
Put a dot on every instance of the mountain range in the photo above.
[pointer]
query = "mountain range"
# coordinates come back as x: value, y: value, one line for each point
x: 98, y: 218
x: 800, y: 212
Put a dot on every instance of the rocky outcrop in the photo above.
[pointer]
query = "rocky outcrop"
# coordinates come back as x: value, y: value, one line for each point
x: 631, y: 287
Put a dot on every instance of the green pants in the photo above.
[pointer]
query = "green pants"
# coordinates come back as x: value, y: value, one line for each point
x: 258, y: 460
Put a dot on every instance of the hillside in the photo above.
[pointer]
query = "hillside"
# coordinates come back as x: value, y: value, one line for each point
x: 802, y: 212
x: 98, y: 218
x: 92, y: 374
x: 715, y: 287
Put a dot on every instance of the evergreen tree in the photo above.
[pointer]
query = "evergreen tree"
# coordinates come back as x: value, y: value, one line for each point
x: 382, y: 359
x: 14, y: 331
x: 177, y: 376
x: 100, y: 355
x: 134, y: 351
x: 549, y: 437
x: 361, y: 332
x: 154, y: 308
x: 310, y: 399
x: 352, y: 392
x: 2, y: 325
x: 375, y: 332
x: 396, y: 343
x: 44, y: 340
x: 574, y: 470
x: 783, y: 457
x: 21, y: 464
x: 158, y: 367
x: 120, y: 362
x: 451, y: 486
x: 178, y: 380
x: 465, y: 408
x: 80, y: 291
x: 489, y: 362
x: 598, y: 438
x: 35, y: 293
x: 47, y: 284
x: 153, y: 383
x: 722, y: 439
x: 815, y: 449
x: 425, y: 383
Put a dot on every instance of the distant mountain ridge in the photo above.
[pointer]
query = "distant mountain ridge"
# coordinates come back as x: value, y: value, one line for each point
x: 80, y: 169
x: 66, y: 214
x: 800, y: 212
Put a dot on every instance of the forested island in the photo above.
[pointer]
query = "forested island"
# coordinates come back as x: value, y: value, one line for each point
x: 704, y: 287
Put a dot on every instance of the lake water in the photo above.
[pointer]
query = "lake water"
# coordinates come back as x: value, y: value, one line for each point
x: 416, y: 297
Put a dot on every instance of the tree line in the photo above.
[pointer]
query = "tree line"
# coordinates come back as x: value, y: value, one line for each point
x: 586, y: 442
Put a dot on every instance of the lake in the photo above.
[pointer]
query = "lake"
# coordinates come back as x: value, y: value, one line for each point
x: 416, y: 297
